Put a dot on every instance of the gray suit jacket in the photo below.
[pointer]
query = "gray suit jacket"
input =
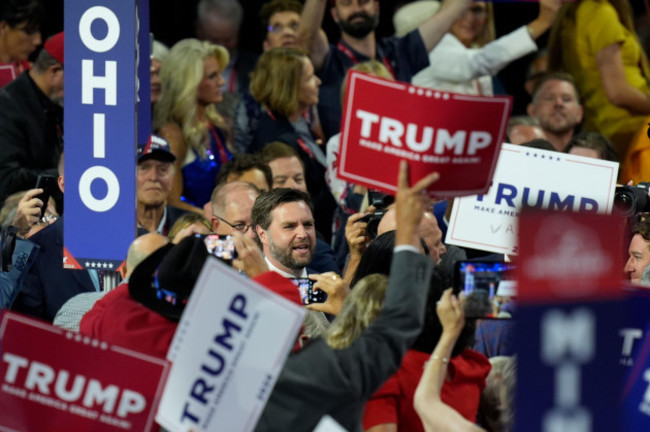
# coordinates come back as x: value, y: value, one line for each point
x: 319, y: 380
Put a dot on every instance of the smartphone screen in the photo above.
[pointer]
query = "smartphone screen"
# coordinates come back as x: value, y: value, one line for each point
x: 484, y: 275
x: 307, y: 293
x: 222, y: 247
x: 47, y: 183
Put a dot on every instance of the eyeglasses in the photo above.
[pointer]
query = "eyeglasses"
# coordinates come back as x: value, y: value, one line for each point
x: 241, y: 227
x: 278, y: 28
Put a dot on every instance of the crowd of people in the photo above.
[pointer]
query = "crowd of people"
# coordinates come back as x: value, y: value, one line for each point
x: 247, y: 146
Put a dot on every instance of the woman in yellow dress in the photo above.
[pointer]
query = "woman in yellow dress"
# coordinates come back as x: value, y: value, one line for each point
x: 595, y: 41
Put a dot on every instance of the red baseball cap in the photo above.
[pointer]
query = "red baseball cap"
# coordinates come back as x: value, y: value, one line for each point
x: 54, y: 47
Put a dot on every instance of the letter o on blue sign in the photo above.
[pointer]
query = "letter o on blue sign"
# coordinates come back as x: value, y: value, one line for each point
x: 86, y: 21
x: 113, y: 194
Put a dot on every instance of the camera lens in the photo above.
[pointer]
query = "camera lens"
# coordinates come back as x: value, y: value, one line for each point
x: 371, y: 229
x: 629, y: 200
x: 624, y: 202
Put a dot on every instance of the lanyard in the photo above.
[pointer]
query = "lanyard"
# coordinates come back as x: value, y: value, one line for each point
x: 232, y: 80
x: 223, y: 156
x: 301, y: 143
x: 345, y: 50
x: 305, y: 148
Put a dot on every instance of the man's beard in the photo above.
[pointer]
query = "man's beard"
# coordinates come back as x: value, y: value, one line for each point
x: 558, y: 126
x: 359, y: 29
x: 285, y: 256
x: 58, y: 100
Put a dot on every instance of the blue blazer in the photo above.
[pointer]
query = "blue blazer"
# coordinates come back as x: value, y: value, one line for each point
x: 48, y: 285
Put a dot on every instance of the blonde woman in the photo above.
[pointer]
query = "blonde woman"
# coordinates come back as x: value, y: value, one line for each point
x: 360, y: 308
x: 186, y: 116
x: 198, y: 223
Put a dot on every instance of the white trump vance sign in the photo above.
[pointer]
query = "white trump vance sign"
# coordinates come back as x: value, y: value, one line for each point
x: 531, y: 177
x: 231, y: 343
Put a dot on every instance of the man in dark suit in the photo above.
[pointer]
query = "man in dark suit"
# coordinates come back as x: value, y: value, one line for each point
x: 31, y: 122
x: 319, y: 380
x: 155, y: 176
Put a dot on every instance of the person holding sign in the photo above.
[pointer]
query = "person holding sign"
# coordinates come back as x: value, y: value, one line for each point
x: 186, y: 116
x: 358, y: 20
x: 144, y: 314
x: 320, y: 380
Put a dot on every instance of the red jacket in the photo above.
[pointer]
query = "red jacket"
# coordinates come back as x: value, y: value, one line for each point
x: 393, y: 402
x: 120, y: 320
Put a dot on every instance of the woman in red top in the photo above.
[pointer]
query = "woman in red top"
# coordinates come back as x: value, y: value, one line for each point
x: 391, y: 409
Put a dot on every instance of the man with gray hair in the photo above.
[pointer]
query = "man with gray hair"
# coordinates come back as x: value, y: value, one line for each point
x: 219, y: 22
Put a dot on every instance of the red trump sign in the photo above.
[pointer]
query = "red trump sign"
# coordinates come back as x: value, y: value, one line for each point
x: 567, y: 256
x: 53, y: 380
x: 458, y: 136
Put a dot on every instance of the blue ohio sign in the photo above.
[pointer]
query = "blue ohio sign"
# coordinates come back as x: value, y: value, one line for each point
x: 144, y: 72
x: 100, y: 132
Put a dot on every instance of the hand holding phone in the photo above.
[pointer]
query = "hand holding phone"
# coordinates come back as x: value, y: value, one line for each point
x: 48, y: 184
x: 28, y: 212
x: 222, y: 247
x: 480, y: 282
x: 307, y: 293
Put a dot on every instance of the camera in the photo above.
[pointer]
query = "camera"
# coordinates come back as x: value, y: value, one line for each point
x: 629, y: 200
x: 380, y: 202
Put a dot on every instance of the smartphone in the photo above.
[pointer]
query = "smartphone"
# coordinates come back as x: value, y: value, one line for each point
x: 47, y: 183
x: 221, y: 246
x: 484, y: 275
x: 307, y: 293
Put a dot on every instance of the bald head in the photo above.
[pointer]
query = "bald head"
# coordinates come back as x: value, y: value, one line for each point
x: 141, y: 248
x: 223, y: 193
x: 428, y: 230
x: 232, y: 207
